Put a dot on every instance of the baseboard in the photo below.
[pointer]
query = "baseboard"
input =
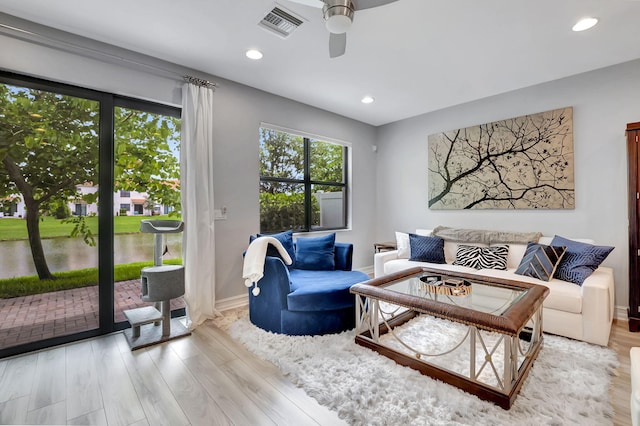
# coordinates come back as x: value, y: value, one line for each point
x: 232, y: 302
x: 620, y: 313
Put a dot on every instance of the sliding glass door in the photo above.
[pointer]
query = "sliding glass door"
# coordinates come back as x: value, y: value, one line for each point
x: 49, y: 150
x: 147, y: 187
x: 79, y: 169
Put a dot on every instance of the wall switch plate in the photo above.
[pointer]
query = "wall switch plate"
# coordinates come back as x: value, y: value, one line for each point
x: 220, y: 214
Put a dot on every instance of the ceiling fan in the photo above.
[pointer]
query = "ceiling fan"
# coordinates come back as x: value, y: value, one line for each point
x: 338, y: 17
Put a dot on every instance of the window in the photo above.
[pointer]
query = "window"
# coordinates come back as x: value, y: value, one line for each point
x: 125, y: 194
x: 303, y: 182
x: 125, y: 207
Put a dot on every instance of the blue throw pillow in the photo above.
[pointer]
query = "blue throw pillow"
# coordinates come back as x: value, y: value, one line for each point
x: 286, y: 239
x: 317, y: 253
x: 580, y: 259
x: 426, y: 249
x: 540, y: 261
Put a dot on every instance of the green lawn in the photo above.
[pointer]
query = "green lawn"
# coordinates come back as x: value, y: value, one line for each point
x: 16, y: 229
x: 25, y: 286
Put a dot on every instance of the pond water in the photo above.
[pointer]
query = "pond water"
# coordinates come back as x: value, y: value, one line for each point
x: 65, y: 254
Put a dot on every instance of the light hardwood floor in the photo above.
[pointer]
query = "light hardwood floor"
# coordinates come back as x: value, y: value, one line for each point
x: 204, y: 379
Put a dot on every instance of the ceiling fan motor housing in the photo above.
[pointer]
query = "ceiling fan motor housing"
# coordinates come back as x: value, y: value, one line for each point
x: 338, y: 15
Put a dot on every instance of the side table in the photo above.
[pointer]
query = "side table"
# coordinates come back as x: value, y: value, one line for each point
x: 384, y: 246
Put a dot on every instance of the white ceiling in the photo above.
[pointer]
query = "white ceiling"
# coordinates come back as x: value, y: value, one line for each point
x: 413, y: 56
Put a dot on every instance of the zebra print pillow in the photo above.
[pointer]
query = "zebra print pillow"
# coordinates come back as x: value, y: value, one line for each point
x: 494, y: 257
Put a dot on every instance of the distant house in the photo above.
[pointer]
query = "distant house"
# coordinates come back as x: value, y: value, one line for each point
x: 132, y: 203
x: 125, y: 203
x: 11, y: 206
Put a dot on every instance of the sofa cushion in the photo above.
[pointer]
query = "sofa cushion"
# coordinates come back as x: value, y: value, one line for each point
x: 426, y: 249
x: 563, y: 296
x: 580, y: 259
x: 493, y: 257
x: 322, y: 290
x: 540, y: 261
x: 286, y: 239
x: 316, y: 253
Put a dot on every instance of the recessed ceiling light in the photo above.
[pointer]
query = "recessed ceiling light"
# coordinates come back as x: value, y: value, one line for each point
x: 254, y: 54
x: 367, y: 100
x: 584, y: 24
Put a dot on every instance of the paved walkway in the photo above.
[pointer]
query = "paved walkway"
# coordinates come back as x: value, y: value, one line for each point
x: 42, y: 316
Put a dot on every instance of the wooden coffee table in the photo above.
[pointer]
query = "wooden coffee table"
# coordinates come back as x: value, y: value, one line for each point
x: 504, y: 320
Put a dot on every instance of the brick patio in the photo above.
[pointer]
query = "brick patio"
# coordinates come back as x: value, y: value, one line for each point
x: 42, y: 316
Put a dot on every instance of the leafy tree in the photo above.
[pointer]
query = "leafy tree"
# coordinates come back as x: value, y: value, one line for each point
x: 57, y: 208
x: 49, y: 145
x: 145, y: 155
x: 281, y: 157
x: 327, y: 162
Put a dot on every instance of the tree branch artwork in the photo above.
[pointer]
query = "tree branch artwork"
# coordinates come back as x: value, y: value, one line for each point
x: 519, y: 163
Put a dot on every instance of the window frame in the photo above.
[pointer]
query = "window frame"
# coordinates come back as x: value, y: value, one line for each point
x: 308, y: 183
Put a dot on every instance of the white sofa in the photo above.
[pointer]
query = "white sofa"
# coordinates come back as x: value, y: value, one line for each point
x: 579, y: 312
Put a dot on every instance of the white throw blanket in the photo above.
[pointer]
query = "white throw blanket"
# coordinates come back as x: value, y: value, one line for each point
x: 253, y: 267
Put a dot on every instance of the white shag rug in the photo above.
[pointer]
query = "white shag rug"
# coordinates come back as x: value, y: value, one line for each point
x: 568, y: 384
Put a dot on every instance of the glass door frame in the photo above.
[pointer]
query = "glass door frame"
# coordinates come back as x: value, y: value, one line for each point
x: 151, y: 107
x: 106, y: 285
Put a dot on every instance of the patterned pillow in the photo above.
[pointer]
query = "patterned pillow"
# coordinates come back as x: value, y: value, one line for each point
x: 494, y: 257
x: 540, y: 261
x: 426, y: 249
x: 580, y: 260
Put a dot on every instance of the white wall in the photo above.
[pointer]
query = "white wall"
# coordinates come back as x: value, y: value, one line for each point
x: 238, y: 112
x: 603, y: 101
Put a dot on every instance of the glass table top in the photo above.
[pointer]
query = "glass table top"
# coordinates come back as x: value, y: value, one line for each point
x: 491, y: 298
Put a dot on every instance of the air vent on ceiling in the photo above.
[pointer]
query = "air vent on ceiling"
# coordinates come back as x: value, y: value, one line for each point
x: 280, y: 22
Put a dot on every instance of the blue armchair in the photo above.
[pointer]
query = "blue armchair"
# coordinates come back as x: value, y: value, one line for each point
x: 306, y: 302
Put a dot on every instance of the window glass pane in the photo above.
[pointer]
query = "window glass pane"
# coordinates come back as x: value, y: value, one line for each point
x: 281, y: 155
x: 327, y: 206
x: 281, y: 206
x: 147, y: 187
x: 326, y: 161
x: 48, y: 193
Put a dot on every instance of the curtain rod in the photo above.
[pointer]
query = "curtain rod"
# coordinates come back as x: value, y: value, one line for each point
x: 47, y: 40
x: 199, y: 81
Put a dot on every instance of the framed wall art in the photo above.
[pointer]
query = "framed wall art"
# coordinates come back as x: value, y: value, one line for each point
x: 519, y: 163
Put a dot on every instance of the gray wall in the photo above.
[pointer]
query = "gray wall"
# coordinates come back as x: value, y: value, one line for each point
x: 603, y: 101
x: 238, y: 112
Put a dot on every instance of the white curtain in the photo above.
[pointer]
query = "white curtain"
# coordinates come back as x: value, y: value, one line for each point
x: 196, y: 185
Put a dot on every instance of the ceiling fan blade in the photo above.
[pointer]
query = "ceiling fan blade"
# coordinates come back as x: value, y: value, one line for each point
x: 337, y: 44
x: 368, y: 4
x: 313, y: 3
